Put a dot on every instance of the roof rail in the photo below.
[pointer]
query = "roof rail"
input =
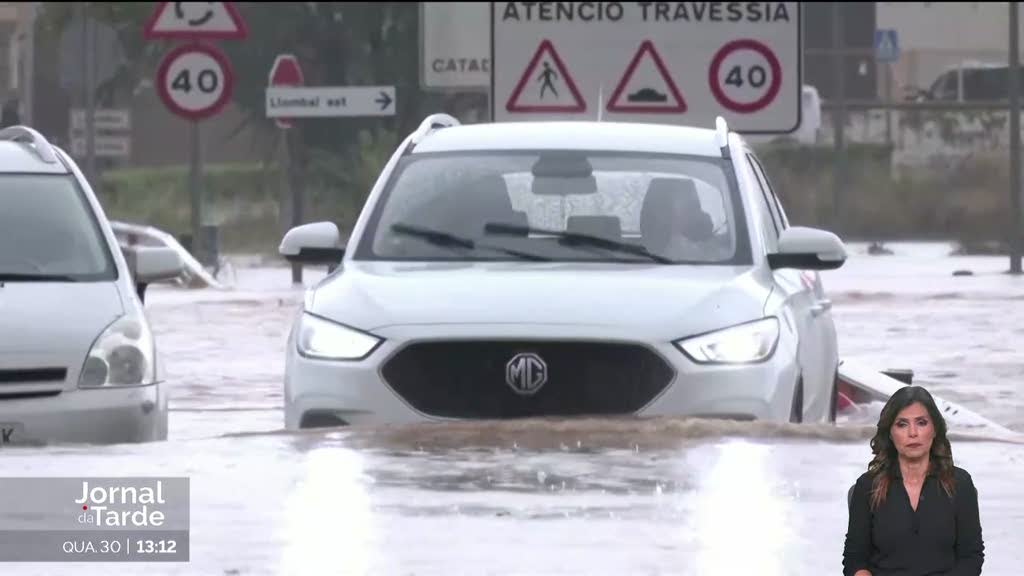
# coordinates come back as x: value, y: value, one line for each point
x: 38, y: 141
x: 431, y: 123
x: 722, y: 135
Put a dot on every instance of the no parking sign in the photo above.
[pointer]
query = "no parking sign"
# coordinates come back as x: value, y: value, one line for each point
x: 665, y: 62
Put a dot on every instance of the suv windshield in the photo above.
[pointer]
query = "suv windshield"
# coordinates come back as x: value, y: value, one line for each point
x: 48, y: 232
x: 565, y: 205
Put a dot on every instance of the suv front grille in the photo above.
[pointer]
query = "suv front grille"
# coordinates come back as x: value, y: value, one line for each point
x: 471, y: 379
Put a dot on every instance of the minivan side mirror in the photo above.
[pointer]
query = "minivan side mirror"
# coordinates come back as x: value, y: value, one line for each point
x: 316, y: 243
x: 149, y: 264
x: 808, y: 249
x: 157, y: 264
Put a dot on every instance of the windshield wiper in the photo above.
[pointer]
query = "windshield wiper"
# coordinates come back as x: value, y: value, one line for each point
x: 565, y: 237
x: 34, y: 277
x: 435, y: 237
x: 440, y: 238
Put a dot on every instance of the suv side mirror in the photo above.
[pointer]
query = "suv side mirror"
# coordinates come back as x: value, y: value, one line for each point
x: 317, y: 243
x: 808, y: 249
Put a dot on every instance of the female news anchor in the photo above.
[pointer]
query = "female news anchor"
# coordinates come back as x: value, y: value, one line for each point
x: 913, y: 512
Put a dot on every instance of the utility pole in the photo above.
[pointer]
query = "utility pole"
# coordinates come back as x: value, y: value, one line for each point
x: 1014, y: 77
x: 838, y: 116
x: 195, y: 185
x: 28, y: 86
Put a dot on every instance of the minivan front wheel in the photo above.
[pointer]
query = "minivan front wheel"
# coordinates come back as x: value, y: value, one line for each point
x: 833, y: 405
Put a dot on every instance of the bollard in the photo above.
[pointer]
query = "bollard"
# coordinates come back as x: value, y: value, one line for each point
x: 211, y: 245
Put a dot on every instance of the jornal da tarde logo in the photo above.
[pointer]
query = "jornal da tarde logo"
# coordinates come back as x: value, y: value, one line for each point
x: 122, y: 506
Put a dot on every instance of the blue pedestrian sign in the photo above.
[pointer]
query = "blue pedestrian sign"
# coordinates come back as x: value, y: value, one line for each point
x: 887, y: 45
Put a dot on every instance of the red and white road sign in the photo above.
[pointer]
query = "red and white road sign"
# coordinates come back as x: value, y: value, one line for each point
x: 745, y: 76
x: 647, y: 86
x: 193, y: 20
x: 195, y: 81
x: 286, y: 71
x: 546, y: 85
x: 677, y: 63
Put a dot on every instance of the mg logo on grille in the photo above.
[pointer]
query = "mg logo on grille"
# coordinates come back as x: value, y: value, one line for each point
x: 526, y: 373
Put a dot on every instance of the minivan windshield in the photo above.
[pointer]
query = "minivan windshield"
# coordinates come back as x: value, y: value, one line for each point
x: 49, y: 232
x: 559, y: 205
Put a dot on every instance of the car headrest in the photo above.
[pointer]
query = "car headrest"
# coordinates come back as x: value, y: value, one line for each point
x: 479, y: 201
x: 673, y: 205
x: 601, y: 226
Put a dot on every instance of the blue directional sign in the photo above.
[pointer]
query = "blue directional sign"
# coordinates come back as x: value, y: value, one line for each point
x: 887, y: 45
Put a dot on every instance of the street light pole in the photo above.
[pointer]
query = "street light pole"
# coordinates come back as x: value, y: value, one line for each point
x: 1015, y: 200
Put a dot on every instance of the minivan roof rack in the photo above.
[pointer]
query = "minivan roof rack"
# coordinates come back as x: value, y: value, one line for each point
x: 722, y: 135
x: 38, y: 141
x: 432, y: 123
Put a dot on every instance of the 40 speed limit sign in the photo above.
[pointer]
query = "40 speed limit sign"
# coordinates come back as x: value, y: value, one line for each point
x: 195, y: 81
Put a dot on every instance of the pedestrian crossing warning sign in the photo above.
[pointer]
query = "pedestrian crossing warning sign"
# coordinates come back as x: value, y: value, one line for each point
x: 647, y: 86
x: 546, y: 85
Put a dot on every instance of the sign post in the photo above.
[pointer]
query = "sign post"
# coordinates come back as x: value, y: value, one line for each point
x: 287, y: 71
x: 1015, y: 176
x: 887, y: 51
x: 195, y: 81
x: 671, y: 63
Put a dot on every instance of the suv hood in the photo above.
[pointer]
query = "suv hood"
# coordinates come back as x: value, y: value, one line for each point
x: 46, y: 318
x: 672, y: 301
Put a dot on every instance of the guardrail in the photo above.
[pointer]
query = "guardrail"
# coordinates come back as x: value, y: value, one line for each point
x: 195, y: 274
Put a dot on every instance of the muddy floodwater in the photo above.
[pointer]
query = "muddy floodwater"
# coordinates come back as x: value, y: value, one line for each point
x: 585, y: 496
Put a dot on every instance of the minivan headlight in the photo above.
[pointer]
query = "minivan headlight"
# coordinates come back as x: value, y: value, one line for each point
x: 123, y: 355
x: 743, y: 344
x: 326, y: 340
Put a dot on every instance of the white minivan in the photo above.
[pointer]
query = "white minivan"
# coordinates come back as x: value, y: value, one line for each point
x: 78, y: 362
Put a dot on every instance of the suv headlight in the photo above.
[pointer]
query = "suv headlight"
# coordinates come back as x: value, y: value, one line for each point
x: 326, y: 340
x: 743, y: 344
x: 123, y: 355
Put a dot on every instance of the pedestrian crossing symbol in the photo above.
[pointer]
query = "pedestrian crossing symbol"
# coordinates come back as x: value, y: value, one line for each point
x: 546, y: 85
x: 887, y: 45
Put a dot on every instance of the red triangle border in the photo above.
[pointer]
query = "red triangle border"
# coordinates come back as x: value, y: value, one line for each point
x: 241, y: 32
x: 512, y: 106
x: 647, y: 46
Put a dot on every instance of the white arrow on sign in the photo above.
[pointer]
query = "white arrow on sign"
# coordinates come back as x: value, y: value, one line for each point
x: 326, y: 101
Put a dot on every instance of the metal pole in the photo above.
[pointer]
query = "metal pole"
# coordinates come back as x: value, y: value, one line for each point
x: 838, y: 116
x: 90, y: 99
x: 27, y: 90
x: 196, y: 188
x: 295, y: 186
x: 888, y: 98
x: 1015, y: 200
